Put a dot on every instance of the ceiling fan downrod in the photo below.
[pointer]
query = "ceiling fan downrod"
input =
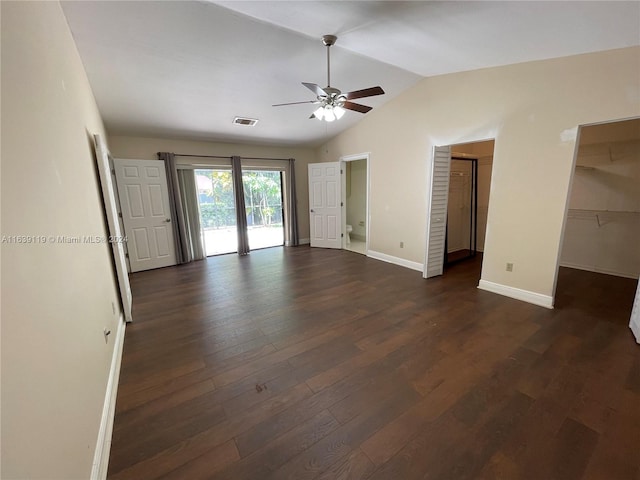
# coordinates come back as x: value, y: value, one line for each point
x: 329, y: 40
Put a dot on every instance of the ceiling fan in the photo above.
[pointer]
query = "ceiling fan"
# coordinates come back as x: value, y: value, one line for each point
x: 332, y: 102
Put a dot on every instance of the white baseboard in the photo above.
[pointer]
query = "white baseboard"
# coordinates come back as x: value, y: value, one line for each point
x: 589, y: 268
x: 304, y: 241
x: 517, y: 293
x: 103, y: 445
x: 395, y: 260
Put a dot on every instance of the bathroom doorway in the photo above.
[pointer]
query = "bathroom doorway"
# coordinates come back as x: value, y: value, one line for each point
x: 355, y: 204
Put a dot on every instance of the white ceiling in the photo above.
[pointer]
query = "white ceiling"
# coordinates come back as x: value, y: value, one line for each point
x: 186, y: 69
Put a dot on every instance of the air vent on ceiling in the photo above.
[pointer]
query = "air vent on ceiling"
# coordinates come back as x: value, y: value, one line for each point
x: 247, y: 122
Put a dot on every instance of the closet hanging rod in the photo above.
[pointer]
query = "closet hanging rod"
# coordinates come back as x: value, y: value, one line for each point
x: 228, y: 157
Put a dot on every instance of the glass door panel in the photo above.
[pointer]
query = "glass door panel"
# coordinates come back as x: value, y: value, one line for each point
x: 217, y: 211
x: 263, y: 202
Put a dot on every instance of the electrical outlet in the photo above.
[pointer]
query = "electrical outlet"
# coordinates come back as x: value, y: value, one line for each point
x: 401, y: 244
x: 509, y: 267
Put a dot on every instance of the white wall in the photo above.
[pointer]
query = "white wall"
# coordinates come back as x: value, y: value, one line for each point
x: 56, y: 298
x: 533, y: 111
x: 602, y: 232
x: 356, y: 201
x: 147, y: 148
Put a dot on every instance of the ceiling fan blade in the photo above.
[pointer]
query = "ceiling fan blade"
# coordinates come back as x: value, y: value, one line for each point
x: 356, y: 107
x: 315, y: 89
x: 294, y: 103
x: 367, y: 92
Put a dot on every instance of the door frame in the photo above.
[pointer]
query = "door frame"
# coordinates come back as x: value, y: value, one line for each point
x: 343, y: 164
x: 568, y: 199
x: 111, y: 210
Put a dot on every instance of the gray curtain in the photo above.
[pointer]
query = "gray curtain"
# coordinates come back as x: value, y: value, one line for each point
x: 241, y: 211
x: 189, y: 198
x: 292, y: 209
x: 175, y: 204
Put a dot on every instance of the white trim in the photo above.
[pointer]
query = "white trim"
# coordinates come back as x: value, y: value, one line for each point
x: 103, y: 445
x: 108, y: 189
x: 395, y: 260
x: 588, y: 268
x: 634, y: 321
x: 517, y: 293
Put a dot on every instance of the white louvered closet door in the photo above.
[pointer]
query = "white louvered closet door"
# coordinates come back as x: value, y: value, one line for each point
x: 437, y: 216
x: 634, y: 324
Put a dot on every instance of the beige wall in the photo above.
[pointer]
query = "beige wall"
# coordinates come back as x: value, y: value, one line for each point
x: 56, y: 298
x: 602, y: 231
x: 532, y: 110
x: 147, y: 148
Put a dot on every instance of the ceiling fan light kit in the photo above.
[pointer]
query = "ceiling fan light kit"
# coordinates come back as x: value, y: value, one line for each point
x: 333, y: 103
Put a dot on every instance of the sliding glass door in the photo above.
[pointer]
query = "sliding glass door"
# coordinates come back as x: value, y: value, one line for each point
x: 263, y: 202
x: 217, y: 211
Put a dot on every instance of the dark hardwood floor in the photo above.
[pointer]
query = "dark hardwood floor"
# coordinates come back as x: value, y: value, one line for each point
x: 299, y: 363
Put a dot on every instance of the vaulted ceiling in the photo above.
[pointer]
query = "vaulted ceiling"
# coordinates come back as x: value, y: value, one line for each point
x: 186, y: 69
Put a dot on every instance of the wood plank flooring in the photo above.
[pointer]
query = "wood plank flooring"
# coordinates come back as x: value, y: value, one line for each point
x: 300, y: 363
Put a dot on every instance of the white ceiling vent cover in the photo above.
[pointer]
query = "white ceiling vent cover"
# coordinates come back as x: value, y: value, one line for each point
x: 247, y: 122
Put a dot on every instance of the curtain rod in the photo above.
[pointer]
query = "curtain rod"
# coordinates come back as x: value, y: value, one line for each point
x: 199, y: 156
x: 228, y: 157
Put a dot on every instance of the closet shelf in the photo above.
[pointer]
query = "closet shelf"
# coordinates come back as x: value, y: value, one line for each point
x: 603, y: 216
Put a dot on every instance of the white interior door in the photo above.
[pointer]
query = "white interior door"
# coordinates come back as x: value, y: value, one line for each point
x: 634, y: 324
x: 437, y: 215
x: 325, y: 215
x: 111, y: 209
x: 144, y: 199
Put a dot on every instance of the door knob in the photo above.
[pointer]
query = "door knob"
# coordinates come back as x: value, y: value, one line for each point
x: 168, y: 220
x: 312, y: 210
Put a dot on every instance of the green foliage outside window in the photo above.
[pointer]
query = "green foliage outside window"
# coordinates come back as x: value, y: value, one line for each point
x: 262, y: 196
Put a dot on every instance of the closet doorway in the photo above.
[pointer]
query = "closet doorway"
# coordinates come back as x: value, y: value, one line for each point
x: 599, y: 262
x: 355, y: 203
x: 459, y: 205
x: 461, y: 239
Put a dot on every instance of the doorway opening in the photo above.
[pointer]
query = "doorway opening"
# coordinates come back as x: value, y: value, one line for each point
x: 264, y: 209
x: 355, y: 204
x: 599, y: 262
x: 459, y: 204
x: 462, y: 210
